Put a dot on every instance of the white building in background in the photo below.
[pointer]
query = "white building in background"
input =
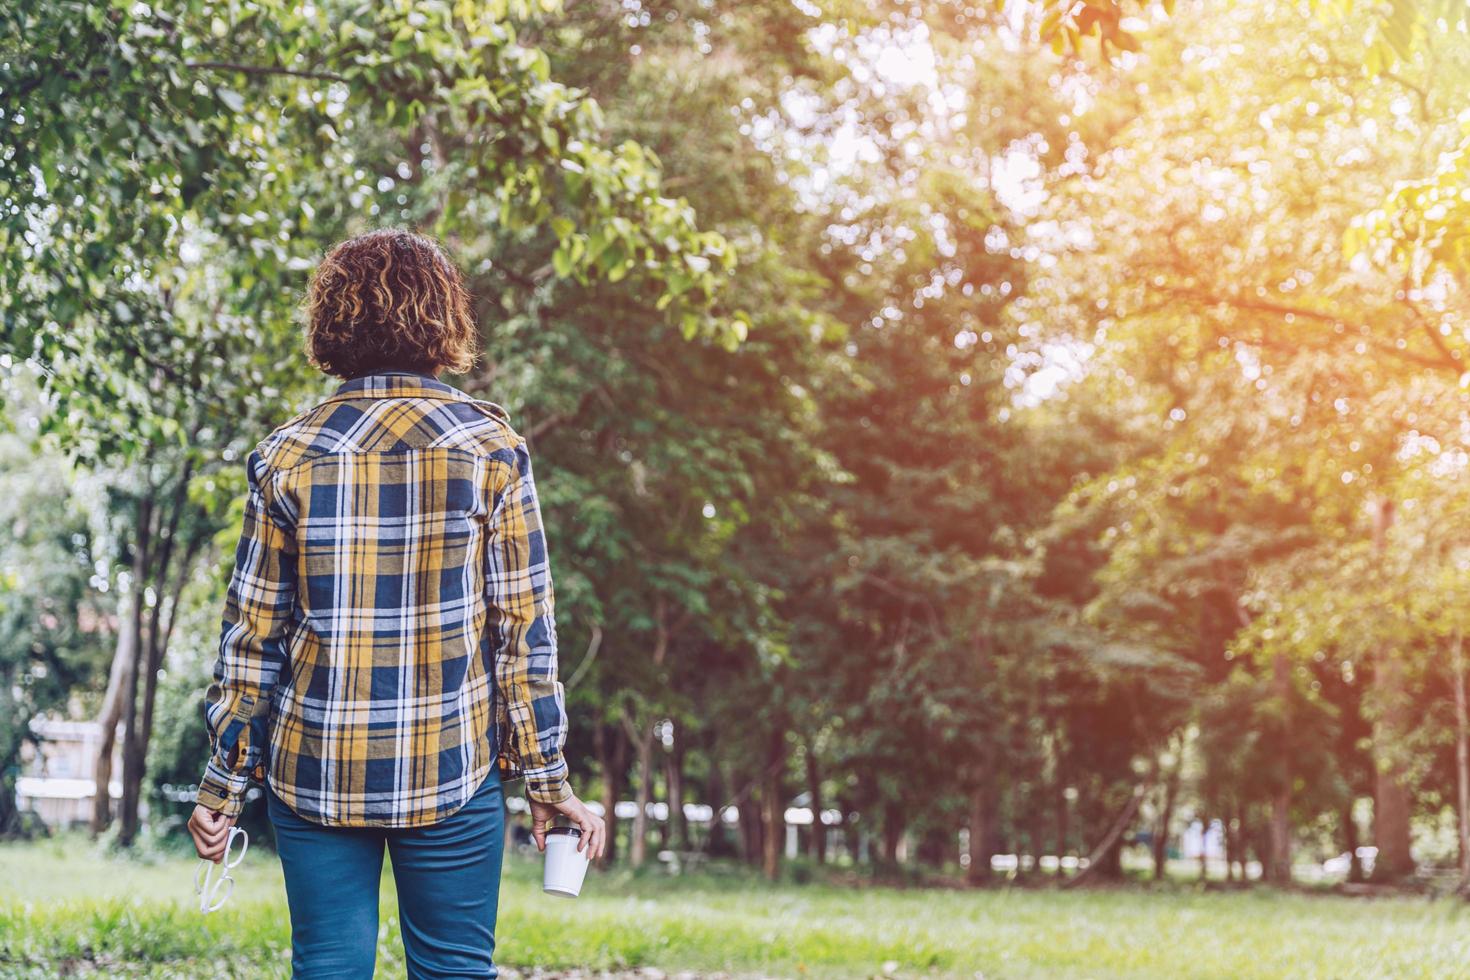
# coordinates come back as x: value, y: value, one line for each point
x: 57, y: 783
x: 57, y: 779
x: 1200, y: 841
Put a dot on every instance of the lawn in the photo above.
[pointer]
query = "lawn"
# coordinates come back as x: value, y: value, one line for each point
x: 67, y: 909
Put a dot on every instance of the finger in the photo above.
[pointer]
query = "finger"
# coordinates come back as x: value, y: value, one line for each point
x: 213, y: 830
x: 212, y: 837
x: 209, y: 844
x: 588, y: 841
x: 207, y: 822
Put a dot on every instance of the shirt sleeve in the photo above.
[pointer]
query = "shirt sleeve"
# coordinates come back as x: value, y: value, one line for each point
x: 522, y: 610
x: 260, y: 606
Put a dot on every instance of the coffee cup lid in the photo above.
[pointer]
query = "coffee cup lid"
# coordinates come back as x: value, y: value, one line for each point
x: 571, y: 831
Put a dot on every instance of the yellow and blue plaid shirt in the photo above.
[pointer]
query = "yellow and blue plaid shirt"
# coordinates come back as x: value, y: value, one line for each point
x: 388, y: 629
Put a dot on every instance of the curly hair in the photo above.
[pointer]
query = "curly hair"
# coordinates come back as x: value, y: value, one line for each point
x: 389, y: 299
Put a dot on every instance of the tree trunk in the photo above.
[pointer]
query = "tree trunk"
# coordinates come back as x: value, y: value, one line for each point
x: 1204, y: 849
x: 982, y: 826
x: 160, y: 631
x: 772, y: 832
x: 1261, y: 847
x: 1228, y: 832
x: 1243, y: 832
x: 642, y: 739
x: 1391, y: 809
x: 111, y: 714
x: 1280, y: 839
x: 142, y: 555
x: 719, y: 840
x: 1391, y: 804
x: 932, y: 849
x: 678, y: 830
x: 1108, y: 866
x: 894, y: 824
x: 1063, y: 820
x: 1033, y: 839
x: 1161, y: 829
x: 814, y: 788
x: 132, y: 760
x: 158, y: 563
x: 612, y: 756
x: 137, y: 738
x: 642, y: 735
x: 1106, y: 859
x: 1351, y: 842
x: 773, y: 798
x: 1462, y: 757
x: 750, y: 829
x: 1280, y: 828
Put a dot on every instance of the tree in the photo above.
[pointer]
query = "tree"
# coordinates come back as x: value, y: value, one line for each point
x: 50, y: 620
x: 1285, y: 376
x: 231, y: 152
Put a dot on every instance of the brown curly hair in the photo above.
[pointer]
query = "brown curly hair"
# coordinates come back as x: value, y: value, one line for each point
x: 389, y: 299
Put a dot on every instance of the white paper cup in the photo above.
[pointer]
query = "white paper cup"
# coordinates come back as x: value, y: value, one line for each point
x: 566, y: 867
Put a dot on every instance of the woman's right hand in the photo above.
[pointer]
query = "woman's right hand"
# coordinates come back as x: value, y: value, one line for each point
x: 594, y: 830
x: 211, y: 832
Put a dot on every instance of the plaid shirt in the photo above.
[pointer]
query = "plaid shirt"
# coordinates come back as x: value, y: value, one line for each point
x: 388, y: 630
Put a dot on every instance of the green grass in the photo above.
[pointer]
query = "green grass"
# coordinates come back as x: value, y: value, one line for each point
x: 64, y: 908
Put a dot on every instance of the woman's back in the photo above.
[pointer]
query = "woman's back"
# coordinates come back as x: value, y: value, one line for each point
x: 383, y: 714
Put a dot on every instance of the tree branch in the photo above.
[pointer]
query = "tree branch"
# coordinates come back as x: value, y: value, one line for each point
x: 1447, y: 360
x: 264, y: 70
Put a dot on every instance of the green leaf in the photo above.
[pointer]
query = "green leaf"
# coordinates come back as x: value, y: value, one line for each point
x: 232, y: 99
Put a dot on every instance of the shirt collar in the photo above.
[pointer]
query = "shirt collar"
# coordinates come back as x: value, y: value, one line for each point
x: 396, y: 383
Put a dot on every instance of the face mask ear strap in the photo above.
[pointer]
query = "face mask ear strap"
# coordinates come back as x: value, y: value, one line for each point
x: 244, y: 838
x: 205, y: 885
x: 201, y: 875
x: 228, y: 891
x: 207, y: 889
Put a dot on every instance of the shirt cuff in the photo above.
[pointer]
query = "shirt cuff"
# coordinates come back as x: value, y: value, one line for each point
x: 548, y: 784
x: 222, y: 790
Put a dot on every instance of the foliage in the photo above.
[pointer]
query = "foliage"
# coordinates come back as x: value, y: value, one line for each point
x: 726, y: 922
x: 52, y: 624
x: 1015, y: 434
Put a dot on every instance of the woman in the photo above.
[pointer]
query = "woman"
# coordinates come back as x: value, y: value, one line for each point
x: 388, y: 652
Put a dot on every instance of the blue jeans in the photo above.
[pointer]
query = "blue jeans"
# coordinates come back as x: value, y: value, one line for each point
x: 448, y: 880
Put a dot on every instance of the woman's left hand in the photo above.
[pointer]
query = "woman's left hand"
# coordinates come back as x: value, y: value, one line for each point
x: 594, y: 831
